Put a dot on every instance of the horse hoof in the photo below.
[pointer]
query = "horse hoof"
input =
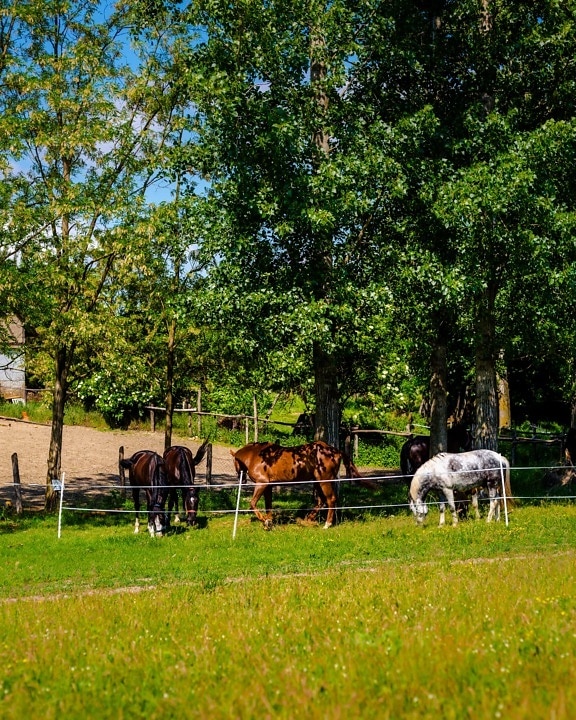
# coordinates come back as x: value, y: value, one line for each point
x: 267, y: 524
x: 176, y: 520
x: 327, y: 526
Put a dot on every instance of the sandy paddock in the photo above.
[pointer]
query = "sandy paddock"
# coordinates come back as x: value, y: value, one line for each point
x: 89, y: 457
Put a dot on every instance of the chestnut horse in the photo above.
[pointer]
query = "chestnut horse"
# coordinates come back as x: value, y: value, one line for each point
x: 180, y: 470
x: 146, y: 472
x: 267, y: 464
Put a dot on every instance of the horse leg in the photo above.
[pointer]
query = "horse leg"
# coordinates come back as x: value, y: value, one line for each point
x: 173, y: 505
x: 442, y: 508
x: 136, y: 498
x: 150, y: 507
x: 494, y: 511
x: 320, y: 502
x: 449, y: 498
x: 259, y: 490
x: 475, y: 504
x: 330, y: 495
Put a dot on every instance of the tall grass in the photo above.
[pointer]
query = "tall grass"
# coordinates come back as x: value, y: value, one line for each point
x: 374, y: 619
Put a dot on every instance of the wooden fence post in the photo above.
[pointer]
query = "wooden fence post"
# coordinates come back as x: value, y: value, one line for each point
x: 255, y: 405
x: 152, y: 420
x: 209, y: 464
x: 187, y: 406
x: 17, y: 486
x: 199, y: 409
x: 122, y: 472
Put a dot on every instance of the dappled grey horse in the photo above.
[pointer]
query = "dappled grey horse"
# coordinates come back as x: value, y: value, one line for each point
x: 447, y: 472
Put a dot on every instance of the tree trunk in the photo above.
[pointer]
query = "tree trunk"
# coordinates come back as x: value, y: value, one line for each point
x: 328, y: 411
x: 438, y: 399
x: 504, y: 408
x: 58, y: 407
x: 170, y: 384
x: 486, y: 431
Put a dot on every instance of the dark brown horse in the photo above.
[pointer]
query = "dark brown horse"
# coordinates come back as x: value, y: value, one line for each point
x: 267, y: 464
x: 180, y: 470
x: 416, y: 450
x: 146, y: 471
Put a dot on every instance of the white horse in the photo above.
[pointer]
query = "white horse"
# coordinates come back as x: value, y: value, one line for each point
x: 447, y: 472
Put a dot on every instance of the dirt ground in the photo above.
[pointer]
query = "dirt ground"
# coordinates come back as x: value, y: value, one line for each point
x: 89, y: 458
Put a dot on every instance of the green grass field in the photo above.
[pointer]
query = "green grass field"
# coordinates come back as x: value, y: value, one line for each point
x: 375, y: 618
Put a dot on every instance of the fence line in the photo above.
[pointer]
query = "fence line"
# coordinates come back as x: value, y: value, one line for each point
x: 291, y: 483
x: 249, y: 485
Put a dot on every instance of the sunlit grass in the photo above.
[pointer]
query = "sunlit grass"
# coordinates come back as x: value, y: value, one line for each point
x: 373, y: 619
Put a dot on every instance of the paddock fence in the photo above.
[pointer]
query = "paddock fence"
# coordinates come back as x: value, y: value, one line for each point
x: 221, y: 493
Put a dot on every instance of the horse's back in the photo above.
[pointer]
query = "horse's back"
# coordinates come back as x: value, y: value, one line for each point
x: 147, y: 468
x: 269, y: 462
x: 179, y: 461
x: 461, y: 470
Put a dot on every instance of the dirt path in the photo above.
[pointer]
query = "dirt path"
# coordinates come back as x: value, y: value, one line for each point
x: 89, y: 457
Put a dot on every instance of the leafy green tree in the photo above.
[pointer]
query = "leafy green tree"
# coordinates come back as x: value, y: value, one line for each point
x: 482, y: 217
x: 83, y: 128
x: 297, y: 294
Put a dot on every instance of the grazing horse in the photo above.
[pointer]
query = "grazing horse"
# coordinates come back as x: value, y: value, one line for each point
x: 180, y: 470
x: 147, y: 471
x: 267, y: 463
x: 447, y: 472
x: 416, y: 451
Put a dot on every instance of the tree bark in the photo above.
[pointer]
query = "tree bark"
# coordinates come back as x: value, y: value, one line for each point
x: 504, y: 408
x: 328, y: 410
x: 58, y: 406
x: 438, y: 399
x: 486, y: 430
x: 170, y: 384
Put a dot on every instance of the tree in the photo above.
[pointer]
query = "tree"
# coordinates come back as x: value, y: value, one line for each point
x: 301, y: 187
x: 83, y: 127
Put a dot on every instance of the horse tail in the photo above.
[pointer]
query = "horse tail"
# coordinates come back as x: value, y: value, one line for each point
x: 354, y: 473
x: 201, y: 452
x: 183, y: 468
x: 507, y: 487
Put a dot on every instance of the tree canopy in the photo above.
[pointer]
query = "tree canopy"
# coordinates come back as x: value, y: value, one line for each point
x: 353, y: 194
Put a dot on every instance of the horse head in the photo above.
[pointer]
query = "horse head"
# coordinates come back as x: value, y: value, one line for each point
x: 417, y: 504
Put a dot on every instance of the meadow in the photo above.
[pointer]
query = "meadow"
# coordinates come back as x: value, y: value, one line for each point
x: 374, y: 618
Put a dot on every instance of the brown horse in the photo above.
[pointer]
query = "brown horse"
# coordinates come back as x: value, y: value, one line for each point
x: 267, y: 463
x: 146, y: 472
x: 180, y: 470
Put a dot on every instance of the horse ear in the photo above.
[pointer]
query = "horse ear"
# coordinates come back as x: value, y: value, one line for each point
x: 232, y: 453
